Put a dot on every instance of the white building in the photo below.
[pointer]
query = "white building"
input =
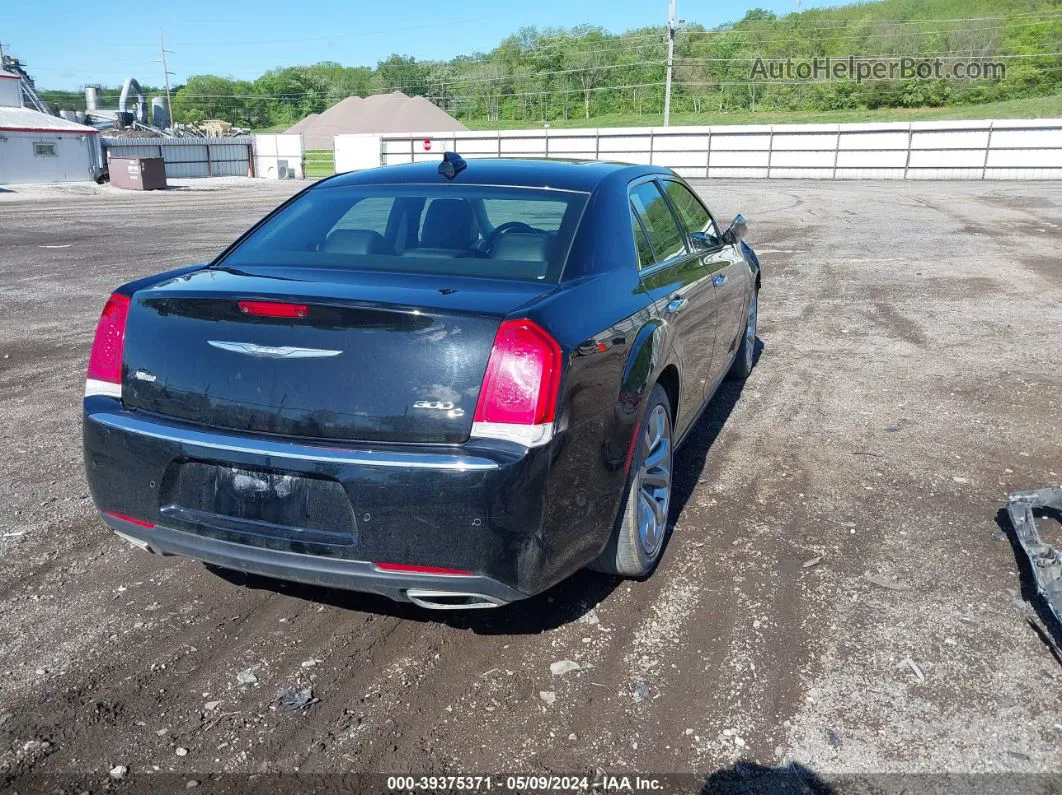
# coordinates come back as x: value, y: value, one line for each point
x: 36, y: 147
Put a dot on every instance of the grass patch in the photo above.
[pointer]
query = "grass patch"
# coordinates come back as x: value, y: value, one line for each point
x: 319, y: 162
x: 1026, y: 108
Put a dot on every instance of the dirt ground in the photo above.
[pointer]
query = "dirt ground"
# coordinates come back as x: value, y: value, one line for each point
x: 841, y: 591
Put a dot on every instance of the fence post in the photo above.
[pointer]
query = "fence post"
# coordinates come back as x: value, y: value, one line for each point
x: 836, y: 152
x: 988, y: 148
x: 210, y: 167
x: 910, y: 137
x: 770, y: 151
x: 708, y: 157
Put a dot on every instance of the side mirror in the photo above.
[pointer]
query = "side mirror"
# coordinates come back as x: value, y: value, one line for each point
x: 704, y: 240
x: 736, y: 231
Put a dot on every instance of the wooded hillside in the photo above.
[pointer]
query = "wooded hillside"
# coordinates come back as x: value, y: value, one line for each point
x: 541, y: 75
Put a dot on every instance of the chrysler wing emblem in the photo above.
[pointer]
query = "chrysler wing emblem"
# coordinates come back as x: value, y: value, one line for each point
x: 273, y: 352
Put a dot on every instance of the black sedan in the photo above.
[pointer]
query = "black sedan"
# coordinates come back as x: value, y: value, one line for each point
x: 454, y: 384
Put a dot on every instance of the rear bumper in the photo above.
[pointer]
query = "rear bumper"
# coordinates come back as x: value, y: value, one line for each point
x: 353, y: 575
x: 479, y: 508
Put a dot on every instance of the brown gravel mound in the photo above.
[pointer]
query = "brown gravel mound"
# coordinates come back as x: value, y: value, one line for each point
x: 393, y: 112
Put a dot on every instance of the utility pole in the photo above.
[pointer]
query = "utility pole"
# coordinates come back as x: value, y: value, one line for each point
x: 166, y: 75
x: 670, y: 61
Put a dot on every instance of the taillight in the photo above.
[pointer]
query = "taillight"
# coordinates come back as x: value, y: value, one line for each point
x: 105, y: 361
x: 273, y: 309
x: 518, y: 398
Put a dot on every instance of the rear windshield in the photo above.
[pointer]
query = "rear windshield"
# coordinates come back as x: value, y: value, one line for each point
x: 467, y: 230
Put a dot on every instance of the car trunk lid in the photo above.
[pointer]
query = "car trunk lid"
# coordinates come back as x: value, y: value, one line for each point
x: 361, y: 356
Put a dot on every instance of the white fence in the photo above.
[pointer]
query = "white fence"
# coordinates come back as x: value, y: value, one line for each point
x: 278, y: 156
x: 999, y: 149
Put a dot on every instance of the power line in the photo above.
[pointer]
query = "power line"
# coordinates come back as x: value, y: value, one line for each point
x: 943, y: 55
x: 441, y: 83
x: 342, y: 36
x: 594, y: 89
x: 948, y: 56
x: 751, y: 28
x: 670, y: 61
x: 859, y: 36
x: 166, y: 75
x: 569, y: 36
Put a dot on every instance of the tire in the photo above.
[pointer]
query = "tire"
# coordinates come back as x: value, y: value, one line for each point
x: 746, y: 355
x: 640, y: 535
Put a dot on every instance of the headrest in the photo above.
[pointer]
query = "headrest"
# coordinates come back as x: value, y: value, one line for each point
x: 521, y: 246
x: 356, y: 241
x: 449, y: 223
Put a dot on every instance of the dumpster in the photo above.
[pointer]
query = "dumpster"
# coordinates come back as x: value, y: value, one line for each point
x: 138, y: 173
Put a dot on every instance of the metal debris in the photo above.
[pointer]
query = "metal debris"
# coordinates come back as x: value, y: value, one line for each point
x: 562, y: 667
x: 1044, y: 559
x: 914, y: 667
x: 290, y: 698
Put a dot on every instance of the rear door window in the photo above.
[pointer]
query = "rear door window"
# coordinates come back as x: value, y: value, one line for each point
x: 646, y: 257
x: 667, y: 240
x: 690, y: 210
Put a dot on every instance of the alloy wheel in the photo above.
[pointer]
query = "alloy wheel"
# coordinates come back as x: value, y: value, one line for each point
x: 654, y: 481
x: 750, y: 332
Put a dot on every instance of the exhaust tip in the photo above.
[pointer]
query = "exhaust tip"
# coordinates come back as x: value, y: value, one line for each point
x: 451, y: 600
x: 136, y: 542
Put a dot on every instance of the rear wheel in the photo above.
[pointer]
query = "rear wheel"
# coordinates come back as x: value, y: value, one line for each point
x: 742, y: 366
x: 641, y: 528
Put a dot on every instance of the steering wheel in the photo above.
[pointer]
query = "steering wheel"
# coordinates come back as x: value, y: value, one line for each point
x: 506, y: 228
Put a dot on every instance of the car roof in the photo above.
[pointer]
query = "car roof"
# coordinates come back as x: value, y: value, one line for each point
x: 560, y: 174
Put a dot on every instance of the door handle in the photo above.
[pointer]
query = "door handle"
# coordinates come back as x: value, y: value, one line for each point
x: 719, y: 280
x: 676, y: 305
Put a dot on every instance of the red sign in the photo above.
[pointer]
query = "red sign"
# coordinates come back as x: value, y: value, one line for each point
x: 427, y: 146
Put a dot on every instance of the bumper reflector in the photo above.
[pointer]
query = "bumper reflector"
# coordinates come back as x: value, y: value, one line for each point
x: 412, y: 569
x: 130, y: 519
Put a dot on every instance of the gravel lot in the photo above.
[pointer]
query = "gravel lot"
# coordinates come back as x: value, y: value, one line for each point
x: 840, y: 591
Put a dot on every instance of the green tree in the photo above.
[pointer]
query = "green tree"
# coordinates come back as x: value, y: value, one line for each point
x: 206, y: 97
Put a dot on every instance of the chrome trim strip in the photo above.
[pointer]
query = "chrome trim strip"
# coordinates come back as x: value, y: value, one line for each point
x: 124, y: 421
x: 422, y: 597
x: 272, y: 351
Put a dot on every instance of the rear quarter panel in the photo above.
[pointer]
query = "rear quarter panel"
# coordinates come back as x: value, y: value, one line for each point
x: 616, y: 346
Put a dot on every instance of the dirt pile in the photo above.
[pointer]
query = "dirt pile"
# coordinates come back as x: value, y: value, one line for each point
x: 378, y: 113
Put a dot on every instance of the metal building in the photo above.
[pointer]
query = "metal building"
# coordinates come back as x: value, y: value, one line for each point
x: 38, y: 148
